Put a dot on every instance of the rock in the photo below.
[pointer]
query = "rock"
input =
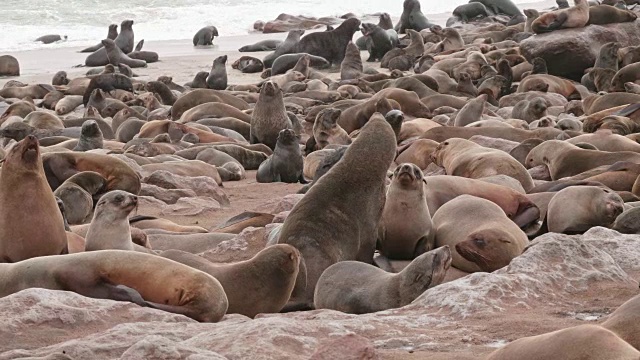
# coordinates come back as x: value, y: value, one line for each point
x: 280, y: 217
x: 159, y: 347
x: 9, y: 66
x: 287, y: 203
x: 150, y: 202
x: 622, y: 248
x: 201, y: 185
x: 192, y: 206
x: 556, y: 265
x: 169, y: 196
x: 242, y: 247
x: 569, y: 52
x: 346, y: 347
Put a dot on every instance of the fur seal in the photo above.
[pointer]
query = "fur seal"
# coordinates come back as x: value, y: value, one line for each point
x: 248, y: 65
x: 90, y: 137
x: 288, y: 46
x: 326, y: 131
x: 412, y: 18
x: 506, y: 7
x: 606, y: 14
x: 217, y: 79
x: 573, y: 17
x: 109, y: 229
x: 359, y: 288
x: 624, y: 321
x: 405, y: 230
x: 60, y: 78
x: 486, y: 241
x: 377, y: 41
x: 461, y: 157
x: 581, y: 342
x: 9, y: 66
x: 260, y: 285
x: 627, y: 223
x: 107, y: 83
x: 351, y: 66
x: 352, y: 194
x: 111, y: 34
x: 124, y: 41
x: 77, y: 194
x: 330, y: 45
x: 115, y: 274
x: 286, y: 163
x: 199, y: 81
x: 50, y: 39
x: 471, y: 11
x: 269, y: 116
x: 62, y: 165
x: 264, y: 45
x: 117, y: 57
x: 204, y: 36
x: 287, y: 62
x: 530, y: 110
x: 576, y: 209
x: 31, y: 224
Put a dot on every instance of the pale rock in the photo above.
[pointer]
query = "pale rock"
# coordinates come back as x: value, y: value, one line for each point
x: 201, y: 185
x: 169, y: 196
x: 193, y: 206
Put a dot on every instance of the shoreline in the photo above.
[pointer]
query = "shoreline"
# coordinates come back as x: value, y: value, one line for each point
x: 178, y: 58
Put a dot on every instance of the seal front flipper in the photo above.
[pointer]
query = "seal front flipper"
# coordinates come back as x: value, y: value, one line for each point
x: 302, y: 180
x: 558, y: 22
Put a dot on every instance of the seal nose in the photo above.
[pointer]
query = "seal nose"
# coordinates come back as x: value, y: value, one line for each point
x: 134, y: 199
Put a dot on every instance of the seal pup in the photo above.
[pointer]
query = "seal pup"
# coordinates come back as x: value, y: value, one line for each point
x: 351, y: 66
x: 286, y: 163
x: 470, y: 11
x: 144, y: 279
x: 31, y: 224
x: 269, y: 116
x: 199, y: 81
x: 217, y: 79
x: 330, y: 45
x: 77, y: 195
x: 204, y: 36
x: 485, y: 241
x: 576, y: 209
x: 264, y: 45
x: 90, y: 137
x: 109, y: 228
x: 405, y: 230
x: 260, y: 285
x: 352, y: 194
x: 573, y: 17
x: 506, y: 7
x: 377, y: 41
x: 577, y: 343
x: 326, y: 130
x: 355, y: 287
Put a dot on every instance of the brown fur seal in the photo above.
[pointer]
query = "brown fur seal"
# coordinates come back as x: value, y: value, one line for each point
x: 117, y: 57
x: 77, y: 194
x: 577, y: 209
x: 286, y: 163
x: 530, y: 111
x: 412, y: 18
x: 629, y: 73
x: 9, y: 66
x: 61, y: 166
x: 330, y: 45
x: 461, y: 157
x: 573, y: 17
x: 248, y: 65
x: 217, y: 79
x: 202, y: 96
x: 485, y: 241
x: 564, y: 159
x: 351, y: 66
x: 405, y: 228
x: 109, y: 229
x: 260, y: 285
x: 353, y: 203
x: 625, y: 320
x: 204, y: 36
x: 577, y: 343
x: 124, y: 41
x: 358, y: 288
x: 326, y: 130
x: 269, y: 116
x: 31, y: 224
x: 113, y: 274
x: 606, y: 14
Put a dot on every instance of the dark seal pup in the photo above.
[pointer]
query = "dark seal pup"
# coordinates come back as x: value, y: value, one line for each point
x: 412, y: 18
x: 286, y: 163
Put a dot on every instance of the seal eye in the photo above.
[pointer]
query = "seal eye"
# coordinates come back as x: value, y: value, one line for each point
x: 119, y: 198
x: 479, y: 242
x: 446, y: 143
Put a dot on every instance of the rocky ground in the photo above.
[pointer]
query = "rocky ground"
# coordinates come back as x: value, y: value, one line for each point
x: 559, y: 281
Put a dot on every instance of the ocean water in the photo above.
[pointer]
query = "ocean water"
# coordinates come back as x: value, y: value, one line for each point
x: 85, y: 22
